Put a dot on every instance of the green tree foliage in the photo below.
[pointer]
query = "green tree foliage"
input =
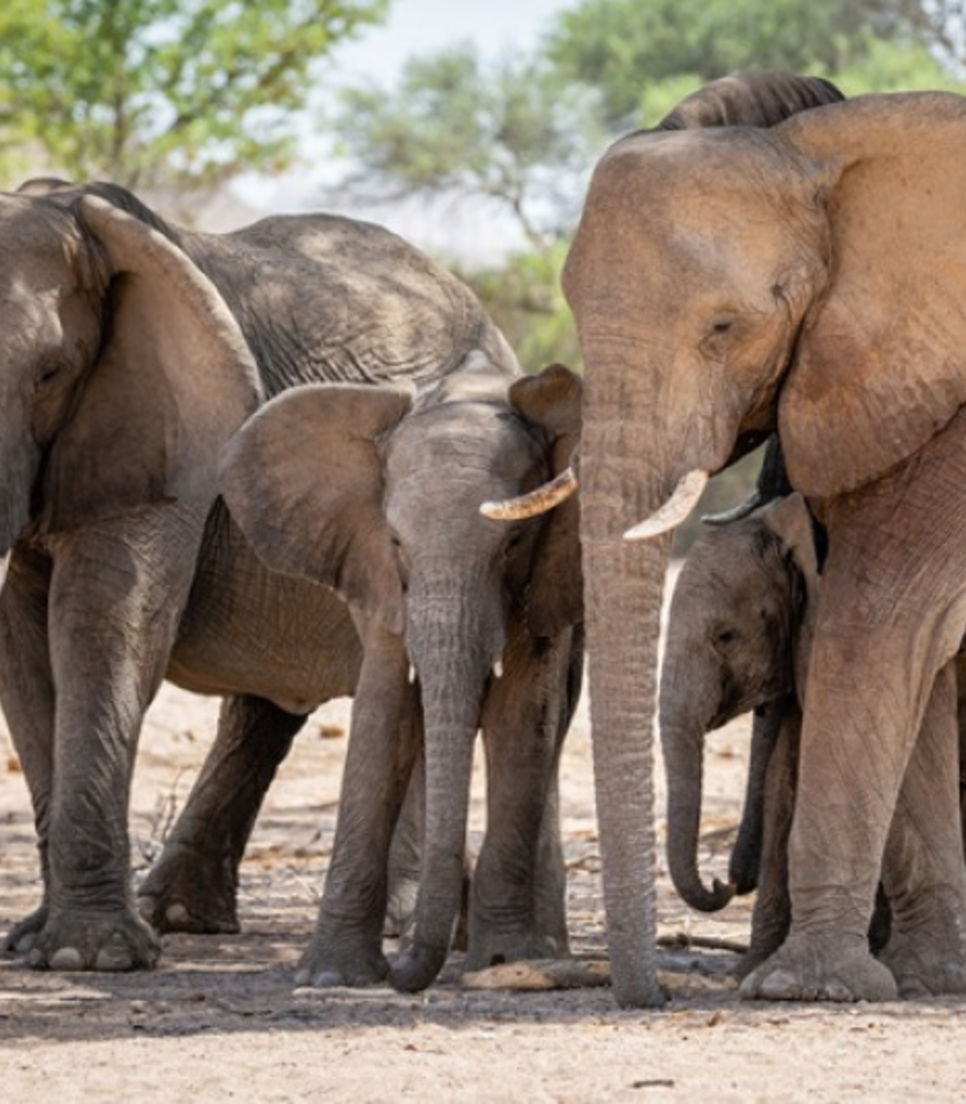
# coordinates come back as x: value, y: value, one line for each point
x: 511, y: 133
x: 622, y: 46
x: 149, y: 92
x: 523, y: 296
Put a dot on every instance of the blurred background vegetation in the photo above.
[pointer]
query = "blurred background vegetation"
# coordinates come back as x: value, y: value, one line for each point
x: 179, y: 97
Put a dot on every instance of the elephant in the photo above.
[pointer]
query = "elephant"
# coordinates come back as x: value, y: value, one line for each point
x: 737, y: 639
x: 622, y: 677
x: 807, y: 278
x: 132, y: 351
x: 485, y: 619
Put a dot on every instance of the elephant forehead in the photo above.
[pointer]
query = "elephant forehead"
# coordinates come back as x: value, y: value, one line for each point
x: 475, y: 435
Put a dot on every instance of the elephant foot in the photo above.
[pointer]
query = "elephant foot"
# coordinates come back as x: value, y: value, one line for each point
x: 814, y: 967
x: 81, y: 939
x: 924, y: 971
x: 929, y: 958
x: 327, y: 963
x: 188, y: 891
x: 493, y: 949
x: 22, y: 936
x: 755, y: 956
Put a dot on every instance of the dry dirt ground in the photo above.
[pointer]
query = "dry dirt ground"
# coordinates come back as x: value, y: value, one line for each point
x: 220, y: 1020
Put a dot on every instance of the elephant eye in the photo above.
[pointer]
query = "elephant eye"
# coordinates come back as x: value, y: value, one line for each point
x: 47, y: 373
x: 724, y: 637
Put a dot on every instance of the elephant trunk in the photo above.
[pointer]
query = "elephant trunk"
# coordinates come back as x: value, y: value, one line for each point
x: 19, y: 463
x: 683, y: 749
x: 623, y: 589
x: 690, y: 697
x: 449, y: 650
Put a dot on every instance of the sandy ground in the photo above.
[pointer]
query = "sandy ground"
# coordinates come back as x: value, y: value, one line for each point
x: 220, y: 1019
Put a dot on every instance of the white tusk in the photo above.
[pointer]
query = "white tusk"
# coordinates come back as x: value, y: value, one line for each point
x: 412, y: 674
x: 4, y: 567
x: 498, y: 667
x: 535, y: 502
x: 675, y: 510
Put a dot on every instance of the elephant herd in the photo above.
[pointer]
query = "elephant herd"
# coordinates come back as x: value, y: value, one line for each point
x: 299, y: 461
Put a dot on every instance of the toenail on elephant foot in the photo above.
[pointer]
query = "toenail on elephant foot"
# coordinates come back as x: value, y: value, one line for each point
x: 924, y: 969
x: 186, y: 892
x: 22, y: 936
x: 820, y: 968
x: 74, y: 939
x: 325, y: 966
x: 516, y: 947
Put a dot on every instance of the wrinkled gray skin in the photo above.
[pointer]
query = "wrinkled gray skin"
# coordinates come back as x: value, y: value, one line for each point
x: 738, y: 632
x: 626, y: 445
x: 806, y: 277
x: 736, y: 621
x: 485, y: 615
x: 131, y: 352
x: 740, y: 624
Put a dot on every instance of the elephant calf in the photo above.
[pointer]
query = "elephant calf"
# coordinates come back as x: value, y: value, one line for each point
x: 738, y: 638
x: 376, y: 494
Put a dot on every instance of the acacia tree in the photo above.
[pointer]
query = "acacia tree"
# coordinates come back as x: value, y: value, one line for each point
x: 509, y: 133
x: 161, y: 92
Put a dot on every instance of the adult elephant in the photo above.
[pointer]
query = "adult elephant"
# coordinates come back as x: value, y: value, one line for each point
x: 378, y: 496
x: 809, y: 277
x: 131, y: 352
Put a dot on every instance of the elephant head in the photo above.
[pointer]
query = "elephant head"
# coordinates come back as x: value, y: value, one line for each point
x: 724, y: 282
x: 738, y: 627
x: 378, y: 496
x: 122, y: 372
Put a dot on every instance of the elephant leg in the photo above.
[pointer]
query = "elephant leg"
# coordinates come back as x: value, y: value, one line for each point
x: 27, y: 695
x: 923, y: 871
x: 405, y: 852
x: 116, y: 594
x: 890, y: 614
x: 771, y: 915
x: 550, y: 891
x: 193, y: 885
x: 746, y: 854
x: 346, y: 948
x: 525, y: 717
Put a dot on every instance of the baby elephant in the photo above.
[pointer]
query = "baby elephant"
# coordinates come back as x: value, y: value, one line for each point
x: 737, y: 640
x: 465, y: 623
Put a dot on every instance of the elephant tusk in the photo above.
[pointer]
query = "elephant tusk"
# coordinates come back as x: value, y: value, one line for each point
x: 498, y: 668
x: 675, y: 510
x: 736, y: 513
x: 535, y: 502
x: 4, y: 567
x: 411, y: 677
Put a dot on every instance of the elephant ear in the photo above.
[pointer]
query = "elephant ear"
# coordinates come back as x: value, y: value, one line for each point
x: 551, y: 400
x: 173, y: 380
x: 303, y: 480
x: 880, y: 366
x: 791, y: 521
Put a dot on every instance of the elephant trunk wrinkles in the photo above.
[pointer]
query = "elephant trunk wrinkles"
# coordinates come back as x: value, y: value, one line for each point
x: 452, y: 658
x: 19, y: 463
x: 623, y: 589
